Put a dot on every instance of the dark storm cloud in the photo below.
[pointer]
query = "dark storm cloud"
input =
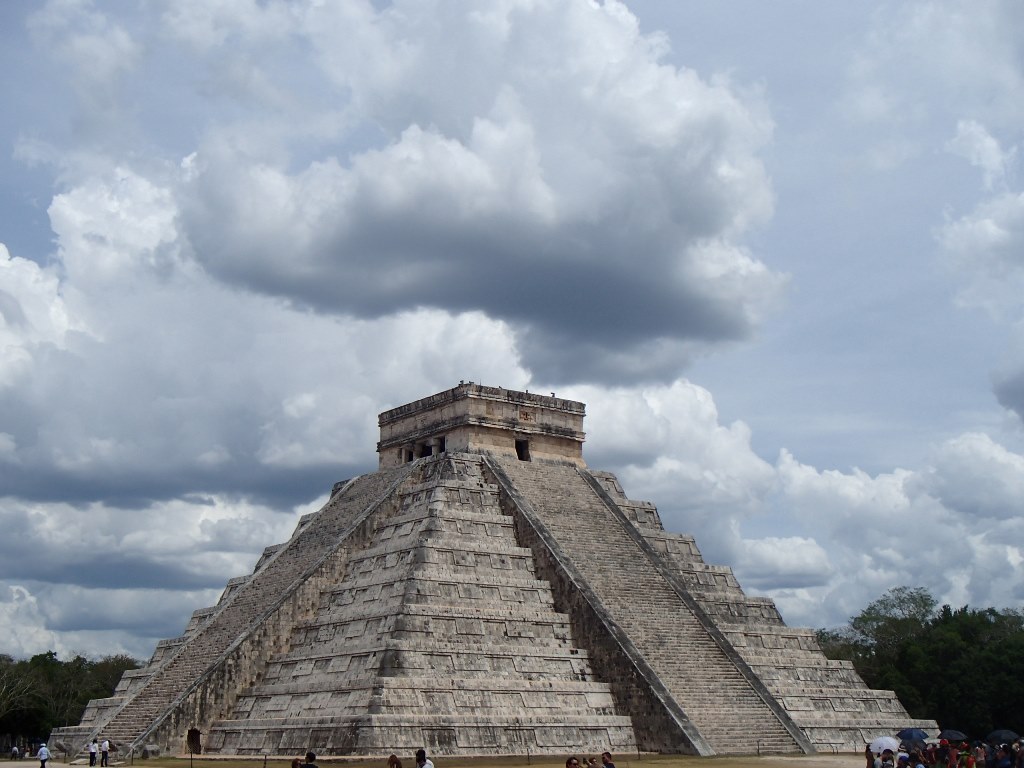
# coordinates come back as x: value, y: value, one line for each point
x: 600, y: 206
x: 1010, y: 393
x: 128, y: 487
x: 143, y: 623
x: 581, y: 313
x: 157, y: 448
x: 89, y: 566
x: 604, y: 287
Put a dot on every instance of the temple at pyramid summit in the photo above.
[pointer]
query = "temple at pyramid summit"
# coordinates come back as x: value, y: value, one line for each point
x: 486, y: 592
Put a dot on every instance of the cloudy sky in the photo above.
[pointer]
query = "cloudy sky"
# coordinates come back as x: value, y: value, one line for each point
x: 778, y: 250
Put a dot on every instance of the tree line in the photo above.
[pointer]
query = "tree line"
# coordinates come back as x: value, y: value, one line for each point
x: 43, y: 692
x: 963, y: 667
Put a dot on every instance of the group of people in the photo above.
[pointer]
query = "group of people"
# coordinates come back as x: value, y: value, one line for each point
x: 574, y: 762
x: 19, y: 753
x: 101, y: 747
x: 945, y: 754
x: 97, y: 747
x: 41, y: 752
x: 422, y: 761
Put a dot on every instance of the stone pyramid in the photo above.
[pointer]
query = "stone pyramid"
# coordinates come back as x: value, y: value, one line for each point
x: 485, y: 592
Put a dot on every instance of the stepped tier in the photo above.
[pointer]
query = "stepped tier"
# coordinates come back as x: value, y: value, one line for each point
x: 485, y: 592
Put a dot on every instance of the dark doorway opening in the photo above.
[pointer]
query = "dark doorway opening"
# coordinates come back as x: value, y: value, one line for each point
x: 192, y: 739
x: 523, y: 450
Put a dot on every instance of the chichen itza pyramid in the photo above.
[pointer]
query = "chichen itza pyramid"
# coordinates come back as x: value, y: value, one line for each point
x: 486, y: 592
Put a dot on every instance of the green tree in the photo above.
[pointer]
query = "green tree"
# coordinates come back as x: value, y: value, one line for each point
x: 45, y: 692
x: 15, y: 687
x: 961, y: 666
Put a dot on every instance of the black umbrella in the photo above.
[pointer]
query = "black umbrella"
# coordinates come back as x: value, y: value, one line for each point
x: 912, y: 734
x: 953, y: 735
x: 1001, y: 736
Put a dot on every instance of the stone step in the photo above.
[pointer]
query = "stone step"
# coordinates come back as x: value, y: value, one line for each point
x: 249, y: 601
x: 459, y: 639
x: 636, y: 596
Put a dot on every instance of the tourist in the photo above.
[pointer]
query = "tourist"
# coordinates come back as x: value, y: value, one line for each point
x: 297, y: 762
x: 43, y: 754
x: 592, y: 762
x: 424, y: 762
x: 14, y: 751
x: 606, y: 760
x: 393, y: 761
x: 104, y: 753
x: 942, y: 753
x: 310, y: 760
x: 572, y: 762
x: 94, y: 747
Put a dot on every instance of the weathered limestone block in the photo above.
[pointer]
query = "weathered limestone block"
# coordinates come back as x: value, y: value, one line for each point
x: 485, y: 592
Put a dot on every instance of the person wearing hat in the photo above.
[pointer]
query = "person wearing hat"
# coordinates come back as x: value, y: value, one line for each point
x: 43, y: 754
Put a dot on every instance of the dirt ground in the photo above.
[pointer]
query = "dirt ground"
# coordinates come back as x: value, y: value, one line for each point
x: 846, y: 760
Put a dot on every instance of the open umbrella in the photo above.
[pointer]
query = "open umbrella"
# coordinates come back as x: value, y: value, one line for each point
x: 883, y: 743
x: 952, y: 734
x: 912, y: 734
x: 1001, y: 736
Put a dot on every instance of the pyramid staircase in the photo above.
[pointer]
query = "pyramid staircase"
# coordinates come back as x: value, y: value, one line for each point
x: 824, y: 699
x: 475, y: 603
x: 711, y: 695
x: 195, y: 675
x: 437, y: 634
